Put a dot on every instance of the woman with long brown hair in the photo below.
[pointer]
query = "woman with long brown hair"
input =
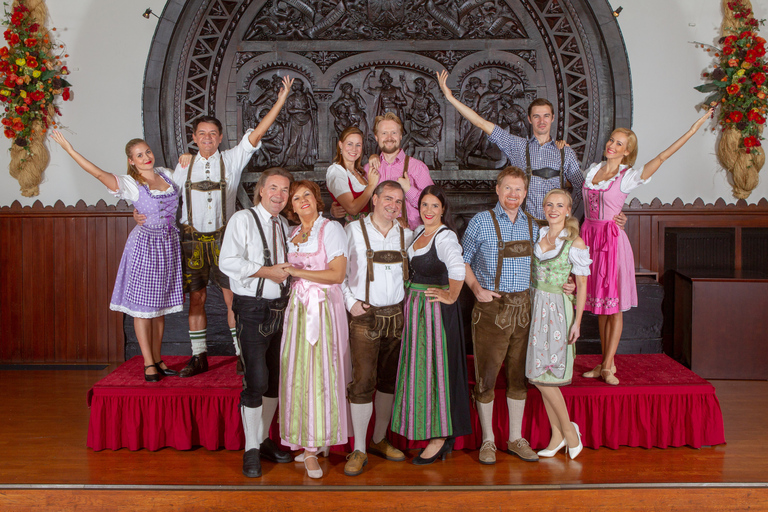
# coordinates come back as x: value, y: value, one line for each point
x: 346, y: 179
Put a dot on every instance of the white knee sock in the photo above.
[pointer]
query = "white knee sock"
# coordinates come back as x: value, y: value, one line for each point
x: 251, y: 426
x: 269, y: 406
x: 485, y: 414
x: 199, y: 341
x: 361, y: 417
x: 383, y: 406
x: 233, y: 330
x: 516, y: 409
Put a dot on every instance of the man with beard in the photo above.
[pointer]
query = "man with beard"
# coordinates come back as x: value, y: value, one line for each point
x: 373, y: 292
x: 253, y: 256
x: 498, y: 246
x: 393, y: 164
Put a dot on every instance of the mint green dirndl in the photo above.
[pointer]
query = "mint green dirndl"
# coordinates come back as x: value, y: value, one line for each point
x: 549, y: 360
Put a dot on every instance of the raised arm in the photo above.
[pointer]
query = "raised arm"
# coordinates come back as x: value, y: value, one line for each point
x: 258, y: 132
x: 107, y: 178
x: 651, y: 167
x: 471, y: 116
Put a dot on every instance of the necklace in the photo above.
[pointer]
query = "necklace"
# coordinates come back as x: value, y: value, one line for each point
x: 425, y: 235
x: 547, y: 237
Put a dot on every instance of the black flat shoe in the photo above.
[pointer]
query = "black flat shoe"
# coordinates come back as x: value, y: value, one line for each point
x: 155, y: 377
x: 442, y: 453
x: 165, y: 372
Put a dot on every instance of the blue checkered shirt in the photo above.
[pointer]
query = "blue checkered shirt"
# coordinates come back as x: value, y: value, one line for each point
x: 546, y: 155
x: 481, y: 250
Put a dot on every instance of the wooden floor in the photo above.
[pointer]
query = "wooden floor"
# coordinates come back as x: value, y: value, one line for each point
x: 44, y: 464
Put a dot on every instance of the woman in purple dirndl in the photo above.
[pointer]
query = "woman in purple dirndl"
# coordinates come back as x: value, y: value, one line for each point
x: 611, y: 288
x: 148, y: 284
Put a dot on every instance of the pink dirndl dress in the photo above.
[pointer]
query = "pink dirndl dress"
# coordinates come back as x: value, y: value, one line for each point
x: 611, y: 284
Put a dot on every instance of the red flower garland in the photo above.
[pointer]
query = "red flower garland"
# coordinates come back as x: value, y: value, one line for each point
x: 31, y: 76
x: 737, y: 81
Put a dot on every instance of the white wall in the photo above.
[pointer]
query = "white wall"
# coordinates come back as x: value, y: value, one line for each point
x: 108, y: 42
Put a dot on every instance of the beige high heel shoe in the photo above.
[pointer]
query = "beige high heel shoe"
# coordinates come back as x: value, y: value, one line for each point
x: 609, y: 377
x: 312, y: 473
x: 322, y: 452
x: 595, y: 372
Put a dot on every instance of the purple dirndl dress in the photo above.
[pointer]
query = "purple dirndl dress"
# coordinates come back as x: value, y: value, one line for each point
x: 148, y: 283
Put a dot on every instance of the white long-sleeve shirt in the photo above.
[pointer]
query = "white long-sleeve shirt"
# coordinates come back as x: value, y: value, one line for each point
x: 387, y: 288
x: 242, y: 252
x: 206, y: 206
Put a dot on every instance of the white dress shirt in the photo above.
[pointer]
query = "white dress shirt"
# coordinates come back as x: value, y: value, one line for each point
x: 242, y: 252
x: 206, y: 206
x: 387, y: 288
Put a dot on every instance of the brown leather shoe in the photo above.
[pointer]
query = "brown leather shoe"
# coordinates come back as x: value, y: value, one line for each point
x: 385, y: 449
x: 522, y: 449
x: 356, y: 461
x: 198, y: 364
x: 240, y: 369
x: 488, y: 453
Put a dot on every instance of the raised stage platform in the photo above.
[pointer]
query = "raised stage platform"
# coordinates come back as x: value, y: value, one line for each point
x: 659, y: 403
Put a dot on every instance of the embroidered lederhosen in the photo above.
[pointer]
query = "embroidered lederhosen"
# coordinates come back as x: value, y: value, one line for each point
x: 276, y: 306
x: 510, y: 313
x: 199, y: 247
x: 387, y: 316
x: 505, y: 320
x: 546, y: 173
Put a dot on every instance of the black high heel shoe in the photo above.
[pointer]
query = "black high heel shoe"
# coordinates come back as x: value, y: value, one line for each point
x: 165, y: 372
x: 442, y: 453
x: 155, y: 377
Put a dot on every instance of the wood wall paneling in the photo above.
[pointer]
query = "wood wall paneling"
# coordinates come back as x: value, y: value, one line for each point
x: 58, y: 268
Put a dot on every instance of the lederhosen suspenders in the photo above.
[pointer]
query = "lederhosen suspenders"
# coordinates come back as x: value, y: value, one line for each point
x: 206, y: 186
x: 268, y: 257
x: 405, y: 208
x: 382, y: 257
x: 511, y: 249
x: 545, y: 172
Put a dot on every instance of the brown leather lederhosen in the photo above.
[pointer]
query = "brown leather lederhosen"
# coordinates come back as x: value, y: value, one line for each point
x: 503, y: 320
x: 201, y: 248
x: 375, y: 336
x: 545, y: 173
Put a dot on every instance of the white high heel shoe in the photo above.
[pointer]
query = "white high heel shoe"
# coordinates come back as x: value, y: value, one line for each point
x: 322, y: 452
x: 574, y: 452
x: 552, y: 452
x: 312, y: 473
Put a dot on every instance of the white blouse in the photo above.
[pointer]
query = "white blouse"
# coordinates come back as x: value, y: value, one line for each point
x: 449, y: 251
x: 579, y: 258
x: 338, y: 178
x: 128, y: 188
x: 631, y: 180
x: 334, y: 239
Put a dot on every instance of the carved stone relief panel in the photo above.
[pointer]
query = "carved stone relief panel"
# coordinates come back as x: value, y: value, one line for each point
x: 354, y: 59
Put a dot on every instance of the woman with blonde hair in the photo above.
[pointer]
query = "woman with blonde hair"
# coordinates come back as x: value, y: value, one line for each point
x: 611, y: 287
x: 148, y: 284
x: 555, y: 326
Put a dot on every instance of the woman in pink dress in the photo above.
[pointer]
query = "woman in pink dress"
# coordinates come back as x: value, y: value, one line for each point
x: 315, y: 365
x: 611, y: 288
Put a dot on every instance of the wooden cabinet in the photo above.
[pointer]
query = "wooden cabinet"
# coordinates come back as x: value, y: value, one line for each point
x: 720, y: 321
